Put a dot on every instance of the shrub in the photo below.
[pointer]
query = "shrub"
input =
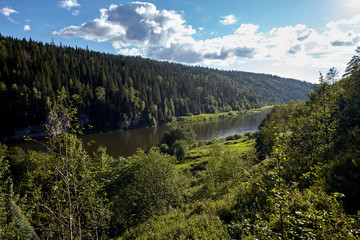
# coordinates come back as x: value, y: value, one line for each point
x: 147, y: 184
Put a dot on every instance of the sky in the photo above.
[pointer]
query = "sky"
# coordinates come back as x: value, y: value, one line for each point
x: 289, y: 38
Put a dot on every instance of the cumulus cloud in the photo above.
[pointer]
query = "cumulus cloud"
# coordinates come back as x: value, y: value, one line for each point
x: 243, y: 52
x: 130, y: 52
x: 68, y: 4
x: 228, y: 20
x: 185, y: 53
x: 134, y: 24
x: 304, y: 36
x: 222, y: 55
x: 342, y: 43
x: 352, y: 5
x: 139, y: 28
x: 27, y: 28
x: 294, y: 49
x: 7, y: 12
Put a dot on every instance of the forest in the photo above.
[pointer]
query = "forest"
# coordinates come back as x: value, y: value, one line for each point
x: 298, y: 177
x: 114, y: 91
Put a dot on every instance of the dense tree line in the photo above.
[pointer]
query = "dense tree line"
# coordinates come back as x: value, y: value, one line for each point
x: 118, y: 91
x: 311, y: 153
x: 320, y: 136
x: 297, y: 178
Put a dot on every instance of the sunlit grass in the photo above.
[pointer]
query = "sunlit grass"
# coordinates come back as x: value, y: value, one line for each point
x: 212, y: 116
x: 198, y: 157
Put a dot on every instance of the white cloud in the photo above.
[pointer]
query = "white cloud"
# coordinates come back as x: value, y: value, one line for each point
x: 68, y: 4
x: 27, y: 28
x: 7, y: 11
x: 133, y: 24
x: 75, y: 13
x: 352, y: 5
x: 228, y: 20
x: 247, y: 29
x: 139, y: 28
x: 129, y: 51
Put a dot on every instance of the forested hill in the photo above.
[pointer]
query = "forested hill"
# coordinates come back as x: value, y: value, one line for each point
x: 119, y: 91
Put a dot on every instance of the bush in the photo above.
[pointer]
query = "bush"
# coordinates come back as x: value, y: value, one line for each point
x: 183, y: 132
x: 184, y: 225
x: 147, y: 184
x: 229, y: 138
x: 250, y: 135
x: 180, y: 147
x: 238, y: 136
x: 201, y: 143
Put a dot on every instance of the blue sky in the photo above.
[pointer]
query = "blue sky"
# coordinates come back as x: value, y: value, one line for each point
x: 289, y: 38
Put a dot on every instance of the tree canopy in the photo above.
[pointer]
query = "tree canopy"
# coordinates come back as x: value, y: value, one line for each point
x: 298, y: 181
x: 121, y: 92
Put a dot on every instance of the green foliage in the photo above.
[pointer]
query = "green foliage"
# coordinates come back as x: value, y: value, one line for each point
x: 62, y: 182
x: 211, y: 116
x: 353, y: 65
x: 230, y: 196
x: 311, y: 151
x: 233, y: 137
x: 308, y: 214
x: 342, y: 175
x: 332, y: 75
x: 297, y: 180
x: 117, y: 91
x: 195, y: 224
x: 62, y: 119
x: 178, y: 139
x: 70, y: 193
x: 145, y: 185
x: 180, y: 147
x: 225, y: 168
x: 275, y: 121
x: 7, y: 223
x: 13, y: 223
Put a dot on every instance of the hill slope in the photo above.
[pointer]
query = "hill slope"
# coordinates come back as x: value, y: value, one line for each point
x: 119, y: 91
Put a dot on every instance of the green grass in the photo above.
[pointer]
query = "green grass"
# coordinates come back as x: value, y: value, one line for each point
x: 197, y: 158
x: 212, y: 116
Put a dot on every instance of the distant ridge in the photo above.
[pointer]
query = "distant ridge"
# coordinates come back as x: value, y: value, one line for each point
x: 119, y: 91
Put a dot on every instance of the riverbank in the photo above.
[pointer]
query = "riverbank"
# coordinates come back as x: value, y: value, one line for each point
x: 197, y: 158
x: 222, y: 115
x: 126, y: 142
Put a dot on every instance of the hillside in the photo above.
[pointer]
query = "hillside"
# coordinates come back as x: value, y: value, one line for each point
x: 117, y: 91
x: 297, y: 178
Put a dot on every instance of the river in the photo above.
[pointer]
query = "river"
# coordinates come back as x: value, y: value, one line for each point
x: 126, y: 142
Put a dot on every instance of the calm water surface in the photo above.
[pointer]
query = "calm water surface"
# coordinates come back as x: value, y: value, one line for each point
x: 126, y: 143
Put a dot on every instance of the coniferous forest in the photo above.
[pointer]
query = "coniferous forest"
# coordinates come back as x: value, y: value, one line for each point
x: 298, y: 177
x: 122, y: 92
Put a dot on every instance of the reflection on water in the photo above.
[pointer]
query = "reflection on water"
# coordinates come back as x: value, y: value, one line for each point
x: 126, y: 143
x: 224, y: 127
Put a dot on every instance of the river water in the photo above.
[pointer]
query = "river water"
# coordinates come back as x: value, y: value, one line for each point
x: 127, y: 142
